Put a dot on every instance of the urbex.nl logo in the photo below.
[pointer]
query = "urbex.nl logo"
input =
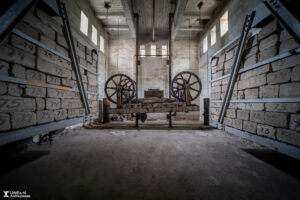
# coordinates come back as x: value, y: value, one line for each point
x: 15, y: 194
x: 5, y: 194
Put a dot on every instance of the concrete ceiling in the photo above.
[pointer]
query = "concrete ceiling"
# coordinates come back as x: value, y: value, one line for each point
x: 119, y: 21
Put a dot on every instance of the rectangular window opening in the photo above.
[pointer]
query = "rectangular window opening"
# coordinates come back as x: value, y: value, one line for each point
x: 164, y: 51
x: 153, y: 50
x: 94, y: 35
x: 213, y: 36
x: 224, y: 24
x: 84, y: 24
x: 142, y: 51
x: 205, y: 45
x: 102, y: 44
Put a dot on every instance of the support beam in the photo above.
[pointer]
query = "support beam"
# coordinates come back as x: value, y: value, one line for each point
x: 103, y: 15
x: 21, y: 134
x: 128, y: 11
x: 116, y: 27
x: 196, y: 14
x: 126, y: 28
x: 236, y: 66
x: 171, y: 17
x: 186, y: 28
x: 179, y: 11
x: 137, y: 50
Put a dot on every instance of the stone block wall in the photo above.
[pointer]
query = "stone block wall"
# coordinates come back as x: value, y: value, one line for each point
x: 23, y: 105
x: 279, y: 79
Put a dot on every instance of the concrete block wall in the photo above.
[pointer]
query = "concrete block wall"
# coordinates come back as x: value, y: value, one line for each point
x: 24, y: 105
x: 237, y: 10
x: 279, y: 79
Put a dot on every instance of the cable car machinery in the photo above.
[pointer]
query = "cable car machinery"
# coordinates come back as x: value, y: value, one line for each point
x: 123, y: 91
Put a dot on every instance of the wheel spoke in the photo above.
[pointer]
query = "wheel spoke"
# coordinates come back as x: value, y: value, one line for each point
x: 194, y: 83
x: 178, y: 83
x: 181, y: 77
x: 189, y: 78
x: 194, y: 89
x: 114, y: 82
x: 126, y: 83
x: 113, y: 94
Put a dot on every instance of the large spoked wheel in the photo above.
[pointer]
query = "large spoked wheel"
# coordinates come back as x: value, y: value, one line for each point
x: 183, y: 81
x: 122, y: 83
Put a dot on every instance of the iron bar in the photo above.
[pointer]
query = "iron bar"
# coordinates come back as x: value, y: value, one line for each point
x: 167, y: 55
x: 267, y: 61
x: 236, y: 66
x: 21, y: 134
x: 26, y: 37
x: 265, y: 100
x: 137, y: 49
x: 39, y: 84
x: 171, y: 15
x: 153, y: 20
x: 69, y: 38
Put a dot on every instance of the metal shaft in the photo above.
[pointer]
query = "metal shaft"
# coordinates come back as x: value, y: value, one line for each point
x: 68, y: 34
x: 170, y: 64
x: 236, y: 66
x: 137, y: 48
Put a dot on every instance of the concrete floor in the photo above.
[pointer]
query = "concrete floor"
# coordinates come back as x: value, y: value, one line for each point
x: 151, y: 164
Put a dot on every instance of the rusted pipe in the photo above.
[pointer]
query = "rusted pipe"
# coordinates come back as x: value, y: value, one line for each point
x: 153, y: 21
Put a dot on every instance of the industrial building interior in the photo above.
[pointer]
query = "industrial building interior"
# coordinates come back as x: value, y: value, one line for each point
x: 150, y: 99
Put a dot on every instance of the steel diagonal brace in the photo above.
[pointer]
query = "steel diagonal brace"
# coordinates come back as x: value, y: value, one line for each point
x: 237, y: 61
x: 69, y: 38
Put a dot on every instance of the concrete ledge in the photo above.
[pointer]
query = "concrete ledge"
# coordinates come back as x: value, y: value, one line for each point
x: 266, y: 142
x: 16, y: 135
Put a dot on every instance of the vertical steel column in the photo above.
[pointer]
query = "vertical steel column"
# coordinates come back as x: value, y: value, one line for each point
x: 236, y: 66
x: 206, y: 111
x: 137, y: 47
x: 153, y: 20
x: 170, y: 64
x: 69, y: 38
x: 100, y: 111
x: 171, y: 15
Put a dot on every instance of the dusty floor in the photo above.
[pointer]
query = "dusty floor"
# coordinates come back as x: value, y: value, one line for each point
x: 151, y: 164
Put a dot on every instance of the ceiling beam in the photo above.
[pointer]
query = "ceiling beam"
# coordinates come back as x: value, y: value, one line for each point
x: 126, y: 28
x: 193, y: 28
x: 116, y: 27
x: 179, y: 11
x: 128, y: 11
x: 196, y: 14
x: 103, y: 15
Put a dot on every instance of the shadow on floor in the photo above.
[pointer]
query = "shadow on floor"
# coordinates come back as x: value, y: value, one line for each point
x: 15, y: 160
x: 285, y: 163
